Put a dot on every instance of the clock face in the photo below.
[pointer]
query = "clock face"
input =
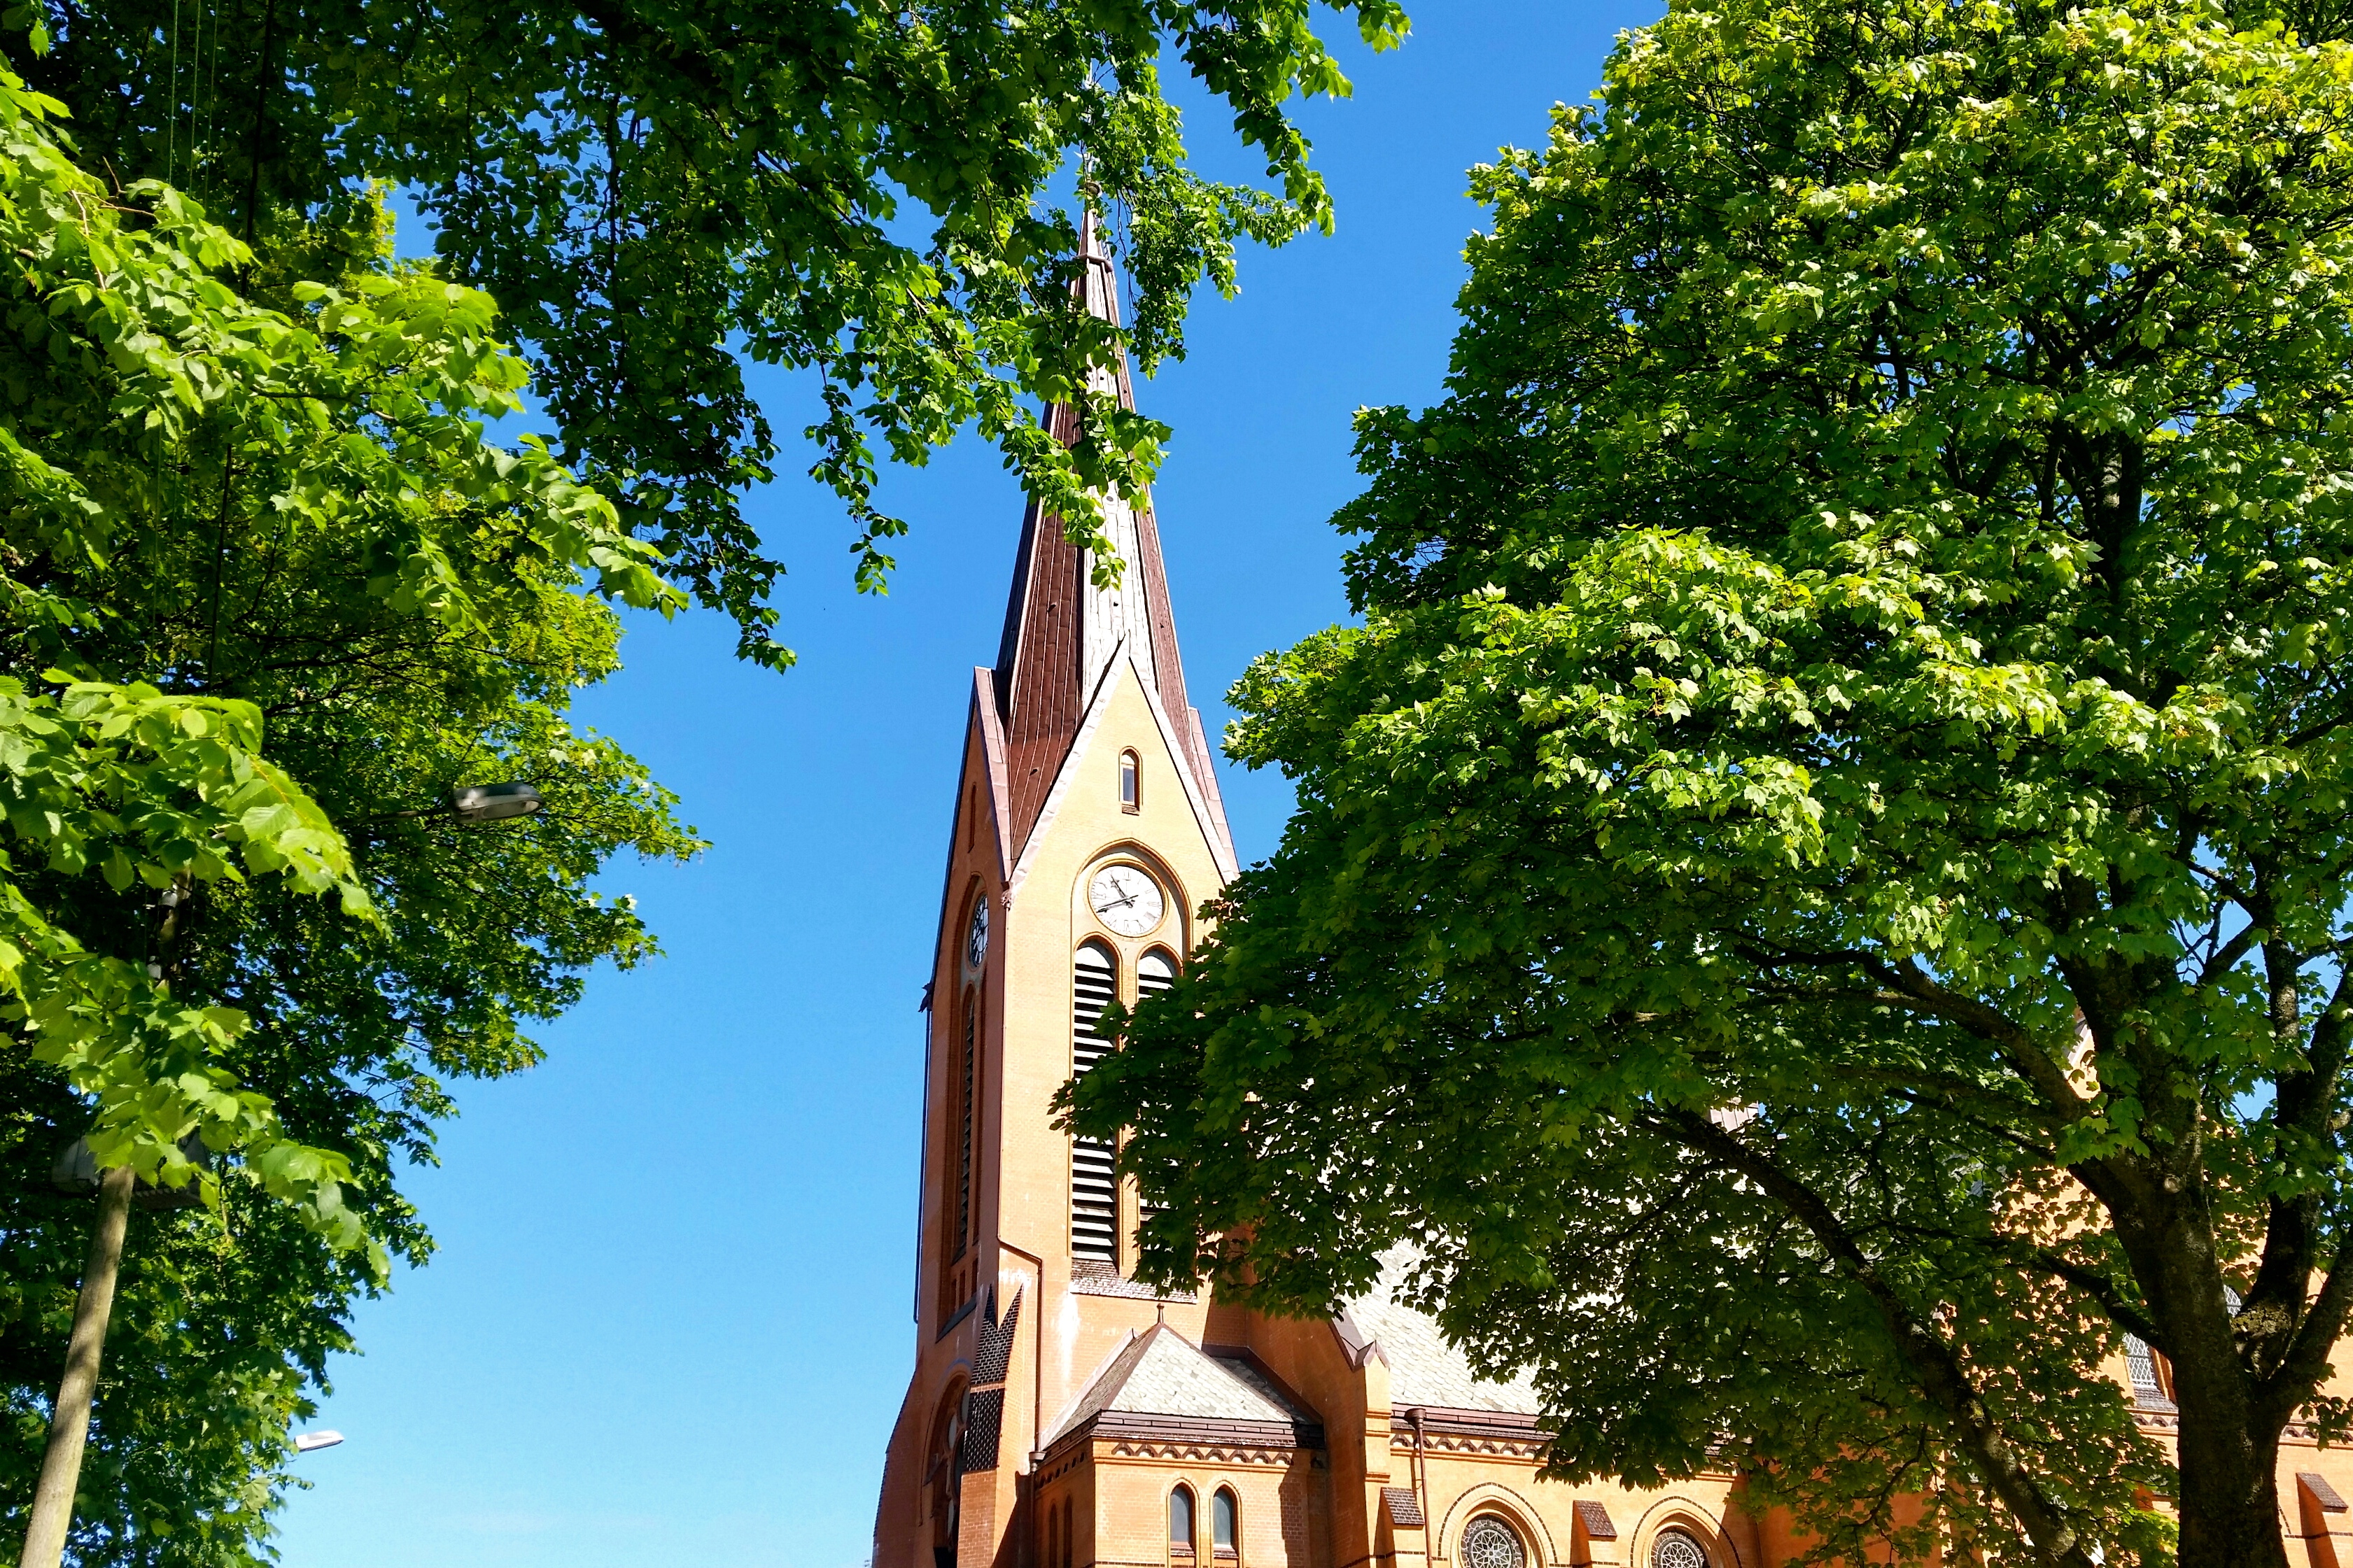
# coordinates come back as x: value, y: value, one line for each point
x: 976, y: 941
x: 1125, y: 899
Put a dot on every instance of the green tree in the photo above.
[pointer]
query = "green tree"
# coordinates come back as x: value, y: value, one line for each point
x: 1819, y: 890
x: 656, y: 189
x: 236, y: 508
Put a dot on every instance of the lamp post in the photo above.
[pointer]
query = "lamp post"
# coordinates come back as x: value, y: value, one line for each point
x: 53, y: 1495
x: 45, y: 1537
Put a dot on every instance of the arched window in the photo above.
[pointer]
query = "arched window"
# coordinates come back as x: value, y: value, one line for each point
x: 1094, y: 1193
x: 1489, y: 1542
x: 943, y: 1474
x: 2150, y: 1374
x: 1677, y: 1549
x: 1131, y: 783
x: 1223, y: 1519
x: 1180, y: 1520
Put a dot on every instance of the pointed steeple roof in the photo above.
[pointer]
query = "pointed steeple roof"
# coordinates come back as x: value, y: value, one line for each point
x: 1065, y: 636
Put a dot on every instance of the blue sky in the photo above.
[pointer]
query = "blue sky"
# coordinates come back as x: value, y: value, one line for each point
x: 669, y: 1322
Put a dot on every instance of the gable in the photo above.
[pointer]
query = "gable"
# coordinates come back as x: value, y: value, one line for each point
x: 1157, y: 735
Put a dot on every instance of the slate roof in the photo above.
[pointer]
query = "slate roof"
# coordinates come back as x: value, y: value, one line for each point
x: 1424, y: 1369
x: 1161, y: 1372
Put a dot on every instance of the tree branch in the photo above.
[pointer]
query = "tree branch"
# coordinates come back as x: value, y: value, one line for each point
x: 2100, y: 1288
x: 2291, y: 1385
x: 2020, y: 1049
x: 2226, y: 957
x: 1935, y: 1367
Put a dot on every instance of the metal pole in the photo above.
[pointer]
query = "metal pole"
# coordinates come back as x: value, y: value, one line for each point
x: 45, y: 1539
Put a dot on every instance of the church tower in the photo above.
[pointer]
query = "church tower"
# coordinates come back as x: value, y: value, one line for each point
x: 1059, y: 1414
x: 1088, y: 830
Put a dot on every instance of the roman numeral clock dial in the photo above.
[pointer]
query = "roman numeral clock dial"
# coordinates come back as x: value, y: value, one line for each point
x: 1126, y: 899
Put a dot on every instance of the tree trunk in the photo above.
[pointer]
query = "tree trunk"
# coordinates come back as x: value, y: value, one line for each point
x: 2230, y: 1493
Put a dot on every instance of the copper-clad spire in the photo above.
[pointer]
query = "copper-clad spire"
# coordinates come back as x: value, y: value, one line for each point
x: 1064, y: 636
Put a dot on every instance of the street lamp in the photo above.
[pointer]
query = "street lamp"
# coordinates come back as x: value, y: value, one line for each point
x: 77, y: 1170
x: 493, y: 803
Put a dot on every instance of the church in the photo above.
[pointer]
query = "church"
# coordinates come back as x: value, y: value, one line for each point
x: 1063, y: 1415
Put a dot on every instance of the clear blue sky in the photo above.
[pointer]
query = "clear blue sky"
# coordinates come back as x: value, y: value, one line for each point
x: 668, y: 1321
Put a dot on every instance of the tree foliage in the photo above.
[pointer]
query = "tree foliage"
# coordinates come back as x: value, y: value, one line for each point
x: 269, y: 594
x: 655, y: 189
x: 1821, y: 882
x: 266, y: 592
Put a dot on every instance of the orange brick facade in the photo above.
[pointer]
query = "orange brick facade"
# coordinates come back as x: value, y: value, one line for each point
x: 1055, y: 1408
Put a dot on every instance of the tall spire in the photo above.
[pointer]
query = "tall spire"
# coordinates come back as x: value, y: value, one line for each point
x: 1065, y: 635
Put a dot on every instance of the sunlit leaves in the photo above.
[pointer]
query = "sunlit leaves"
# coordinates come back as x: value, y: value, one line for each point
x: 1850, y: 690
x: 266, y: 593
x: 878, y: 193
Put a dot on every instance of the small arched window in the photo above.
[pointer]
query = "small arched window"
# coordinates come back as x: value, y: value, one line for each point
x: 1180, y: 1520
x: 1222, y: 1521
x: 1489, y: 1542
x: 1131, y: 783
x: 1677, y: 1549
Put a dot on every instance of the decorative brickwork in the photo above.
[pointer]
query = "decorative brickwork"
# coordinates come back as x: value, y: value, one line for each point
x: 984, y: 1415
x: 993, y: 1351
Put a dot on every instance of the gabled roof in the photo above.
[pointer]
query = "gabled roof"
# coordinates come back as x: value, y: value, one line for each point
x: 1160, y: 1377
x: 1425, y: 1369
x: 1062, y: 632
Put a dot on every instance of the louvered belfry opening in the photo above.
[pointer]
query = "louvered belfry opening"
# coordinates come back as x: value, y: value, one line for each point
x: 970, y: 1056
x: 959, y: 1150
x: 1156, y: 971
x: 1094, y: 1191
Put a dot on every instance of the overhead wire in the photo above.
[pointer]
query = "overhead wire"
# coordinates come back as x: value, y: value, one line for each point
x: 172, y: 100
x: 212, y: 88
x: 195, y: 94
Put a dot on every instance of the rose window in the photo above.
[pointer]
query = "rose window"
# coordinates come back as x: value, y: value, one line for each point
x: 1489, y: 1542
x: 1674, y: 1548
